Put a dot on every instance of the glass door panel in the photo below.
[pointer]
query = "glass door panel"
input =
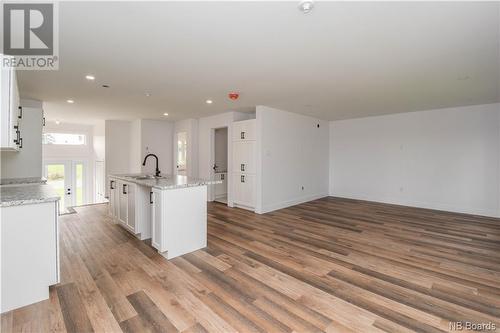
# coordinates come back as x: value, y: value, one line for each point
x: 79, y: 184
x: 57, y: 177
x: 182, y: 153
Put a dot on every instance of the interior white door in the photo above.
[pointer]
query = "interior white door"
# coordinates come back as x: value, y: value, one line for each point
x: 182, y: 144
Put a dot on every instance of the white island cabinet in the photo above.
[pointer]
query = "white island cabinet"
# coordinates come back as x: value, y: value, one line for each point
x: 129, y: 206
x: 171, y: 210
x: 29, y: 244
x: 179, y: 220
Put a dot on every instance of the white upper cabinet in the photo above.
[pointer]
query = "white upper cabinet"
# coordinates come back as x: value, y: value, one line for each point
x: 10, y: 111
x: 244, y: 130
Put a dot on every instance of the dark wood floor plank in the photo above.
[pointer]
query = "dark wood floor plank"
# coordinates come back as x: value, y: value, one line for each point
x: 150, y: 313
x: 74, y: 313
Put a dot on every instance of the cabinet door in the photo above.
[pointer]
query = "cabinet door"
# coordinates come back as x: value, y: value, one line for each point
x: 131, y: 222
x: 244, y: 157
x: 6, y: 123
x: 123, y: 202
x: 112, y: 197
x: 243, y: 130
x: 15, y: 111
x: 244, y: 189
x: 156, y: 218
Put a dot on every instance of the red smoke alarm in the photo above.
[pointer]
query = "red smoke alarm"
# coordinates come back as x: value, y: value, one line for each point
x: 234, y: 96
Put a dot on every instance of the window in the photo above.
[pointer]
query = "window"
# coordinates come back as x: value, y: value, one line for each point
x: 63, y: 139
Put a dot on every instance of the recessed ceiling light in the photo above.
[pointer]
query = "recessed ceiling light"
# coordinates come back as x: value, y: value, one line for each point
x: 90, y: 77
x: 209, y: 101
x: 57, y: 122
x: 306, y: 6
x: 148, y: 94
x: 165, y: 114
x: 70, y: 101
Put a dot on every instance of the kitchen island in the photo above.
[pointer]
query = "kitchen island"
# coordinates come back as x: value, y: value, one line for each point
x: 171, y: 210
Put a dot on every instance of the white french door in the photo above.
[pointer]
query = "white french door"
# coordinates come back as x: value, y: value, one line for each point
x: 69, y: 179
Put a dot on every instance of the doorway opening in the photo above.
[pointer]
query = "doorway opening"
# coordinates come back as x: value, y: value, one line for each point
x: 181, y: 163
x: 220, y: 165
x: 68, y: 178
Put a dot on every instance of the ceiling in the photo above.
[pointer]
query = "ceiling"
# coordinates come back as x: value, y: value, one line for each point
x: 343, y: 60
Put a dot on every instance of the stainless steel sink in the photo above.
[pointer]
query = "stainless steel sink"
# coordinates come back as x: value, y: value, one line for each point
x: 144, y: 177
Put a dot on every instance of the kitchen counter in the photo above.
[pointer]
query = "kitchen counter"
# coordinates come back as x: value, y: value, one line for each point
x: 17, y: 181
x: 25, y: 194
x: 167, y: 182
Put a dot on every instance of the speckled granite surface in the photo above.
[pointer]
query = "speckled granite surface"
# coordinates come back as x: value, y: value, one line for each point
x: 167, y: 182
x: 30, y: 180
x: 25, y: 194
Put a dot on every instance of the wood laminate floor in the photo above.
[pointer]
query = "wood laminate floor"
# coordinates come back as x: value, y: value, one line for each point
x: 333, y: 265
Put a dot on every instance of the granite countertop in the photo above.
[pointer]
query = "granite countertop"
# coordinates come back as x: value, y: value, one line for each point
x: 25, y: 194
x: 17, y: 181
x: 167, y: 182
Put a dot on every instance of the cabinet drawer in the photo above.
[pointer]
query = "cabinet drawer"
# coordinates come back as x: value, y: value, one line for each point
x: 243, y: 130
x: 244, y: 189
x: 244, y: 157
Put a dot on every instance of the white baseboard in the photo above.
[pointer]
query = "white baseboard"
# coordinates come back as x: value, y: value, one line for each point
x: 284, y: 204
x: 427, y: 205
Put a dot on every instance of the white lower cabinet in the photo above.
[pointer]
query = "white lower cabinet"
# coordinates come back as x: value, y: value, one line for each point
x: 179, y: 219
x: 113, y: 198
x: 221, y: 189
x: 244, y: 190
x: 129, y: 206
x: 157, y: 217
x: 29, y: 239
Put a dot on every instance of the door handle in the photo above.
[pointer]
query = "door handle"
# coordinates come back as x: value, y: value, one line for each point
x: 150, y: 197
x: 123, y: 189
x: 242, y: 179
x: 68, y: 191
x: 242, y: 135
x: 111, y: 185
x: 242, y: 167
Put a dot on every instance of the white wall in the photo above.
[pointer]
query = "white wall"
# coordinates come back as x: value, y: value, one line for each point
x: 27, y: 162
x: 156, y: 138
x: 135, y: 153
x: 128, y: 142
x: 445, y: 159
x: 292, y: 159
x: 117, y: 147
